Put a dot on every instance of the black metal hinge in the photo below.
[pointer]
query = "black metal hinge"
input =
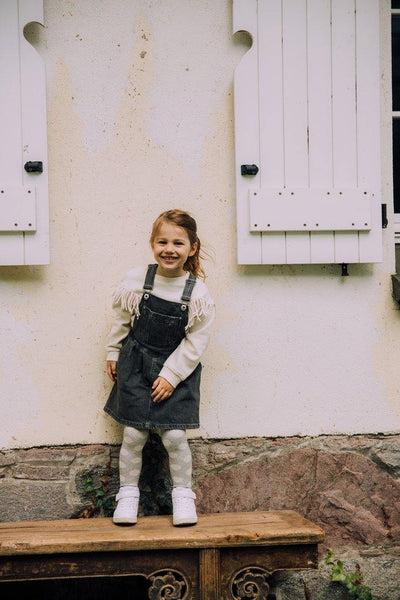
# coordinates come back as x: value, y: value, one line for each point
x: 34, y: 166
x: 248, y: 169
x: 384, y: 216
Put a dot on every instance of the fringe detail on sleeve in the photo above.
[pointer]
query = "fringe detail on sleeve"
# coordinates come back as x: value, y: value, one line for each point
x: 199, y: 308
x: 128, y: 299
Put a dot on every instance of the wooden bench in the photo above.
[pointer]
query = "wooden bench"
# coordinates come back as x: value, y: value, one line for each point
x: 226, y: 556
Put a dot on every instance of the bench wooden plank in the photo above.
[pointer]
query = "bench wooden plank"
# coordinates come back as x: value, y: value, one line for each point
x: 259, y: 528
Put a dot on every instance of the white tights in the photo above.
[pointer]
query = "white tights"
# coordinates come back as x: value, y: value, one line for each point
x: 176, y: 445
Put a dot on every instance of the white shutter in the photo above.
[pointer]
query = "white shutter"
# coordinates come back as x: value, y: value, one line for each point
x: 307, y: 113
x: 24, y: 220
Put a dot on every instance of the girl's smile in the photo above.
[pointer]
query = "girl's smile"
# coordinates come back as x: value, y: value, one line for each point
x: 171, y: 249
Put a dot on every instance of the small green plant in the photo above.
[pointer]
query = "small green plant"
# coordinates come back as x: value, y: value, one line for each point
x: 97, y: 491
x: 353, y: 581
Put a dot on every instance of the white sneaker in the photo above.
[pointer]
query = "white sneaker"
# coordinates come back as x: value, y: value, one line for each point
x: 128, y: 505
x: 183, y: 507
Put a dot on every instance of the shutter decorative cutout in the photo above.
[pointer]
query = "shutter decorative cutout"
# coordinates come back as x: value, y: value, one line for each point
x: 24, y: 219
x: 307, y: 114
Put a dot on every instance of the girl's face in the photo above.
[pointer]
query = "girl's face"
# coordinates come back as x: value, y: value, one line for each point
x: 171, y: 248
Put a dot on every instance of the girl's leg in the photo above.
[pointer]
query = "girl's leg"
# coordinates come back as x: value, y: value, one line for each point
x: 180, y: 457
x: 180, y: 464
x: 130, y: 457
x: 130, y: 465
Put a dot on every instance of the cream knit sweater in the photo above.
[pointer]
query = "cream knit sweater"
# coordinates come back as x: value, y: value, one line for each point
x: 126, y: 300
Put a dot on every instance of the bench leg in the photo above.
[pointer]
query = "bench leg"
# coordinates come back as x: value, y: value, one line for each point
x: 209, y: 574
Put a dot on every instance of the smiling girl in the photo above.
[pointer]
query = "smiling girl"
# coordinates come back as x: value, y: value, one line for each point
x: 163, y: 319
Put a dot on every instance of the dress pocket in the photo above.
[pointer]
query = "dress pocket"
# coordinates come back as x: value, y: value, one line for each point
x: 128, y: 361
x: 159, y: 330
x: 157, y: 364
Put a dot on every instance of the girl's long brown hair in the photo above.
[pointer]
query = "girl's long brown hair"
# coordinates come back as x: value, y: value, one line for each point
x: 187, y: 222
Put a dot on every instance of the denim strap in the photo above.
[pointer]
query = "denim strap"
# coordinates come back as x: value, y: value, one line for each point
x: 189, y: 285
x: 149, y: 280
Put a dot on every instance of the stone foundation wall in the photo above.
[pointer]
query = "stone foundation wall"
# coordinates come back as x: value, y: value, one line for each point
x: 349, y: 485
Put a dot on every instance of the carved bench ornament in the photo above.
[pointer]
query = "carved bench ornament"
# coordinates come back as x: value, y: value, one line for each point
x: 250, y: 583
x: 168, y: 584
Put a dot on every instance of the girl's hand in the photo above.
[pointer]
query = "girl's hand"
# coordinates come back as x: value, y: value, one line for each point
x: 162, y: 390
x: 112, y: 369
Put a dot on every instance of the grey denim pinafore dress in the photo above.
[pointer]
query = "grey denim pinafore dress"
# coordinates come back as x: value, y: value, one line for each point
x: 155, y: 334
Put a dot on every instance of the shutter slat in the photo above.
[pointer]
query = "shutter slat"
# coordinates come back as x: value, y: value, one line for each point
x: 295, y: 86
x: 247, y: 133
x: 271, y: 116
x: 319, y: 55
x: 368, y: 126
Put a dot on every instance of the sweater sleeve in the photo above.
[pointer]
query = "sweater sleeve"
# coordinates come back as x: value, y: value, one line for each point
x: 182, y: 362
x: 119, y: 330
x: 126, y: 299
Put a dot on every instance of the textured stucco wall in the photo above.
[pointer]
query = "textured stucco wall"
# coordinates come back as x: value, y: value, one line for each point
x: 140, y: 119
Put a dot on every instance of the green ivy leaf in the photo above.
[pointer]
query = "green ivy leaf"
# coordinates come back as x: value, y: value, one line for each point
x: 329, y: 557
x: 365, y: 593
x: 353, y: 589
x: 338, y: 572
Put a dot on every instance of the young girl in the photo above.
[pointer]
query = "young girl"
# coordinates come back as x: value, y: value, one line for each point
x: 163, y: 319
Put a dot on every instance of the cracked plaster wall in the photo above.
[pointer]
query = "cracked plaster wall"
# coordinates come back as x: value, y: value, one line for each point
x: 140, y: 119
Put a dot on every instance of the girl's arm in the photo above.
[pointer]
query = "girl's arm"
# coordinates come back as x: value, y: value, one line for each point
x: 126, y: 300
x: 119, y: 330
